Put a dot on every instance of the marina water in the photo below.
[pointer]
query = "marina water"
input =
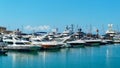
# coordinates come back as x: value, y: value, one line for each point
x: 107, y: 56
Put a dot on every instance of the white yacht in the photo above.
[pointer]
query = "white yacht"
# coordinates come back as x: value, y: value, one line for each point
x: 56, y: 43
x: 116, y: 38
x: 13, y: 43
x: 92, y: 42
x: 35, y: 41
x: 110, y: 30
x: 50, y: 45
x: 77, y: 43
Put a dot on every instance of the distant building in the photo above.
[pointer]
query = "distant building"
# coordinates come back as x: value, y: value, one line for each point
x: 8, y: 32
x: 2, y: 29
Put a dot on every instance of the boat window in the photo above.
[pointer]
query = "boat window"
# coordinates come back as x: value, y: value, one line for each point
x: 8, y: 38
x: 10, y: 43
x: 16, y: 38
x: 27, y: 39
x: 19, y: 43
x: 28, y: 43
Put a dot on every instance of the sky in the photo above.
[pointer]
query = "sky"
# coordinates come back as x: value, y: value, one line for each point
x: 43, y: 15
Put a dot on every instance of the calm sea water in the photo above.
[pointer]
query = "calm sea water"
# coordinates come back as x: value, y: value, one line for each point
x: 88, y: 57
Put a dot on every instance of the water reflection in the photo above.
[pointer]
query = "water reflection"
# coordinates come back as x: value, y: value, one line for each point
x: 3, y: 54
x: 88, y: 57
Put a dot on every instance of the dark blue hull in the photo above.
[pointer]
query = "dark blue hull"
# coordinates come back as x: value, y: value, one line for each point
x: 3, y: 51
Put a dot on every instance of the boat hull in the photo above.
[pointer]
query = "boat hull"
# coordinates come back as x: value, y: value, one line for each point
x: 50, y: 46
x: 74, y: 45
x: 23, y: 48
x: 3, y: 51
x: 92, y: 43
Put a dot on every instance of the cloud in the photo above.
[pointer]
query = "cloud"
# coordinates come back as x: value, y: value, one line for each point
x: 37, y: 28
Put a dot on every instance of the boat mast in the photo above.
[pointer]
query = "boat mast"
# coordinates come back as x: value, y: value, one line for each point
x: 103, y: 29
x: 117, y: 28
x: 72, y: 28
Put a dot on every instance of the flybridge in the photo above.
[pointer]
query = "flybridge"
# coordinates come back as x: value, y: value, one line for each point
x: 110, y: 30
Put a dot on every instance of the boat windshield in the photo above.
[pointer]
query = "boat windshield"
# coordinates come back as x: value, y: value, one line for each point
x: 37, y: 40
x: 16, y: 38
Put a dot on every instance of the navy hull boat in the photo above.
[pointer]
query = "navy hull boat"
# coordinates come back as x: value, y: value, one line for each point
x: 3, y: 51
